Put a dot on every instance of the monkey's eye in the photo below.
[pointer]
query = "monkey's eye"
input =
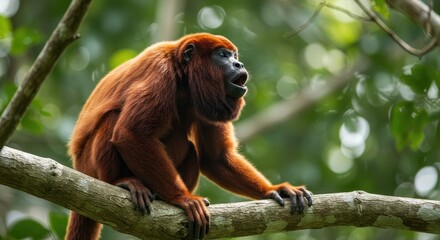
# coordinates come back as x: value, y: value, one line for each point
x: 223, y: 54
x: 236, y: 55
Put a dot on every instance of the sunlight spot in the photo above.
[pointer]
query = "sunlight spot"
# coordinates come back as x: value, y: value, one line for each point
x: 433, y: 91
x: 361, y: 88
x: 385, y: 83
x: 426, y: 180
x: 406, y: 92
x: 80, y: 59
x: 356, y: 134
x: 8, y: 8
x: 314, y: 55
x: 211, y: 17
x: 338, y: 162
x: 350, y: 6
x: 287, y: 87
x: 353, y: 152
x: 334, y: 61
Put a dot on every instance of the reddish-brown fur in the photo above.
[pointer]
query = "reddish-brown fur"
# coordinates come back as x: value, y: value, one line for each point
x: 160, y: 120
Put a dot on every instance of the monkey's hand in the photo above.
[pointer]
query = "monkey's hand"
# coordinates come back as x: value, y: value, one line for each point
x: 140, y: 195
x: 198, y: 214
x: 296, y: 194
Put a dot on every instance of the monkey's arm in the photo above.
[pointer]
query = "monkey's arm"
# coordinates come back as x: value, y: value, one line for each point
x: 220, y: 161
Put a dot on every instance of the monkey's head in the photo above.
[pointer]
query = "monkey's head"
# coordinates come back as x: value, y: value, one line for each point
x: 216, y: 79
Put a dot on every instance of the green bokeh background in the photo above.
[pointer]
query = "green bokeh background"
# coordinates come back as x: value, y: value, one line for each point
x: 379, y: 133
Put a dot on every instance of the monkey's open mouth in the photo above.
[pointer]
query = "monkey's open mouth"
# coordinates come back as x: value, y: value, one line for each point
x: 240, y: 80
x: 236, y: 88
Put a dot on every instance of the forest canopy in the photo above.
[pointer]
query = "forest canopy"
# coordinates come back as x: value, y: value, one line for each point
x: 335, y: 101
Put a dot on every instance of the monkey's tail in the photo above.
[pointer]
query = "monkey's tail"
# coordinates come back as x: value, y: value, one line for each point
x: 82, y: 228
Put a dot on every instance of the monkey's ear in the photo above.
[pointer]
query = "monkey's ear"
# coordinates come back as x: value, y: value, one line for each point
x: 189, y: 52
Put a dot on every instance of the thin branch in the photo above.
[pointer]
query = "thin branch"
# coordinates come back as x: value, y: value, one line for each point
x: 308, y: 22
x: 63, y: 35
x: 372, y: 16
x: 428, y: 23
x: 287, y: 109
x: 316, y: 13
x: 404, y: 45
x: 350, y: 14
x: 112, y: 206
x: 420, y: 13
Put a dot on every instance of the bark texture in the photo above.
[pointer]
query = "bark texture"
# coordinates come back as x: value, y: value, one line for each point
x: 112, y: 206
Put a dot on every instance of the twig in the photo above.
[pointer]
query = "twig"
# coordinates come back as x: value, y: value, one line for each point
x: 308, y: 22
x: 428, y: 23
x: 318, y: 10
x: 373, y: 17
x: 404, y: 45
x: 63, y: 35
x: 350, y: 14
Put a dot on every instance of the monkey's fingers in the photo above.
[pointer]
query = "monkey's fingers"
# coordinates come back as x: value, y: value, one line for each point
x: 294, y: 205
x: 198, y: 218
x: 192, y: 223
x: 140, y: 195
x: 198, y: 225
x: 203, y: 217
x: 276, y: 196
x: 307, y: 195
x: 146, y: 202
x: 297, y: 195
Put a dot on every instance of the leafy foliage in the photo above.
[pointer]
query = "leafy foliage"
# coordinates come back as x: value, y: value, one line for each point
x: 29, y: 228
x: 407, y: 124
x: 375, y: 134
x: 381, y: 7
x: 58, y: 223
x: 23, y: 38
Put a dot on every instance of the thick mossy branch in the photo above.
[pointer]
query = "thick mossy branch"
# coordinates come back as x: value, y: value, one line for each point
x: 111, y: 205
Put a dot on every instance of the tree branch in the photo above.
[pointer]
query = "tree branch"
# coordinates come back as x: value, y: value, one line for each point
x: 420, y: 13
x: 63, y: 35
x: 112, y: 206
x: 404, y: 45
x: 416, y: 10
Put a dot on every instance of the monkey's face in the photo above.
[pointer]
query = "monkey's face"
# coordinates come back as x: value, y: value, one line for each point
x: 235, y: 75
x: 216, y: 78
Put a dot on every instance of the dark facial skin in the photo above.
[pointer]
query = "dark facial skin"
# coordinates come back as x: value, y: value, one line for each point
x: 235, y: 74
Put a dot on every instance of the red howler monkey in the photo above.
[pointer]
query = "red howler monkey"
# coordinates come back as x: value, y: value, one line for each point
x: 159, y: 120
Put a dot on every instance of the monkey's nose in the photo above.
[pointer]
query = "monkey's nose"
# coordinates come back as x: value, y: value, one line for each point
x: 238, y: 65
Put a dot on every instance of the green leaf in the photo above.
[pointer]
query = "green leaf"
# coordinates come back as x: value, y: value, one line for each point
x: 23, y: 38
x: 121, y: 56
x: 32, y: 123
x: 7, y: 90
x: 5, y: 34
x: 420, y: 78
x: 407, y: 123
x: 5, y: 27
x: 28, y: 228
x: 58, y: 222
x: 381, y: 7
